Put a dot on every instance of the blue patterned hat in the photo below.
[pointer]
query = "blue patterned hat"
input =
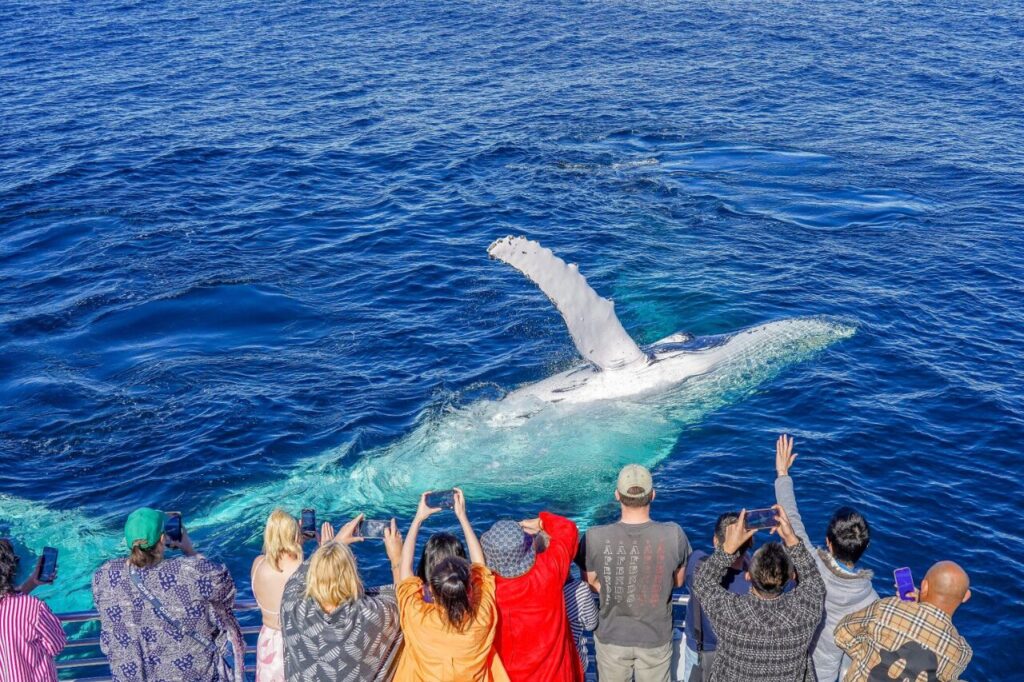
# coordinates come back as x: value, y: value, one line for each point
x: 508, y: 549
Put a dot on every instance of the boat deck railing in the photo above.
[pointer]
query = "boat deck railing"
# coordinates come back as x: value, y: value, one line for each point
x: 82, y: 659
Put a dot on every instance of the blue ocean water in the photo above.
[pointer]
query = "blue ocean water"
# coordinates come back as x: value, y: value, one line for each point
x: 243, y: 263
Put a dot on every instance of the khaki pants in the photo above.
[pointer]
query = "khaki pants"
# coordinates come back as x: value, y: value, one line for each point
x: 626, y: 663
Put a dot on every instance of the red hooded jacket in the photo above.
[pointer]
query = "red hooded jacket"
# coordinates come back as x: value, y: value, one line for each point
x: 533, y: 638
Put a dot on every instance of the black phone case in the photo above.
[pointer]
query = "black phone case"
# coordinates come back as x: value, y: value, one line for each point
x: 47, y: 576
x: 308, y: 529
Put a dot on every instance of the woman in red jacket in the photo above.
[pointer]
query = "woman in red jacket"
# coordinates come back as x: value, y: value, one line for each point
x: 534, y: 640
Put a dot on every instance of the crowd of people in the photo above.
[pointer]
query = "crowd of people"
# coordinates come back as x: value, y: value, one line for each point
x: 512, y: 605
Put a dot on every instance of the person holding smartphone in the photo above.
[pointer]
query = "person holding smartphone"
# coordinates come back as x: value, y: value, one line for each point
x: 766, y: 633
x: 30, y: 634
x: 913, y: 630
x: 450, y: 637
x: 700, y: 645
x: 281, y: 557
x: 181, y: 606
x: 534, y: 639
x: 334, y: 627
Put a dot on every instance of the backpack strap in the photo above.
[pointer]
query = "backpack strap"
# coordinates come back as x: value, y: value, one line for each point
x: 698, y: 612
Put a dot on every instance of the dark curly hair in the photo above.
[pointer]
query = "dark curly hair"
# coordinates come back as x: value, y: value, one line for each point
x: 8, y: 567
x: 770, y: 569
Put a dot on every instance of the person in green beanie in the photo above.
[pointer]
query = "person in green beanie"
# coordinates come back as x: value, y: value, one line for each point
x: 167, y: 618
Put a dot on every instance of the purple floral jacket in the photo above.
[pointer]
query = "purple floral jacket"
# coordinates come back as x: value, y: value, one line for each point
x: 143, y: 647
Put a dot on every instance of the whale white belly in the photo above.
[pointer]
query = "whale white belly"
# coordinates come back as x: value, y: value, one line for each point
x: 584, y: 383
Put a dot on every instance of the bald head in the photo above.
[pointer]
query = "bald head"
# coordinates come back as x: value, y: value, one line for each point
x: 946, y: 586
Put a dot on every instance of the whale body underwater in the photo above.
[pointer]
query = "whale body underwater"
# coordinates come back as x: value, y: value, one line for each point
x: 623, y: 403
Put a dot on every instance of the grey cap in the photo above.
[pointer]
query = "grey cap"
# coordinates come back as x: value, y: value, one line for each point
x: 634, y: 476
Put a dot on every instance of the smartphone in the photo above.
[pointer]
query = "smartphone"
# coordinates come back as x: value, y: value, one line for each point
x: 308, y: 523
x: 904, y: 583
x: 172, y: 526
x: 758, y: 519
x: 373, y: 528
x: 48, y: 570
x: 443, y: 499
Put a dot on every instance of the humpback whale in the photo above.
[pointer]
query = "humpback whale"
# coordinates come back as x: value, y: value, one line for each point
x: 615, y: 366
x: 558, y: 441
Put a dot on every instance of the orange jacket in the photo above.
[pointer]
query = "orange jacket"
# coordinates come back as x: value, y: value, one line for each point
x: 433, y: 652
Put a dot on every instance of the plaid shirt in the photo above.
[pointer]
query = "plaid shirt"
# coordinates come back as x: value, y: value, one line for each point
x: 762, y: 640
x: 920, y: 637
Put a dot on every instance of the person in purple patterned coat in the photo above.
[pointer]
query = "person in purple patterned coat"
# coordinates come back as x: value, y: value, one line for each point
x: 167, y: 619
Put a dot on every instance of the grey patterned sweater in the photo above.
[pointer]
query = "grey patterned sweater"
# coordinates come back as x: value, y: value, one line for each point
x: 766, y: 640
x: 357, y: 642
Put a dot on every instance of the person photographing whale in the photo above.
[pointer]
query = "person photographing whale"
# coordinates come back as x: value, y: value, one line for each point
x: 764, y: 635
x: 30, y: 634
x: 182, y: 605
x: 533, y: 639
x: 700, y: 642
x: 915, y: 632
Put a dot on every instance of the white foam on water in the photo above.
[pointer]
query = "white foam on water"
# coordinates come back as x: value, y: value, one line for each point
x: 82, y: 541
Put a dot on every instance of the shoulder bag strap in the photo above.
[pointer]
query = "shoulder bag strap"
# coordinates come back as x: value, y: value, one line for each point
x: 161, y: 612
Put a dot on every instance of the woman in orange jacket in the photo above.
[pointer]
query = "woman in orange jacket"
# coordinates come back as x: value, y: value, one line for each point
x: 450, y: 638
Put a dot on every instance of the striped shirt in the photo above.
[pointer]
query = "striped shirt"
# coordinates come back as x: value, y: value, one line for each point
x: 30, y: 636
x: 582, y: 611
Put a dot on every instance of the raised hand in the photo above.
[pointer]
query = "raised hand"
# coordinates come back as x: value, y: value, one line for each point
x: 784, y: 455
x: 736, y: 534
x: 347, y: 534
x: 185, y: 544
x: 393, y: 543
x: 785, y: 528
x: 326, y: 534
x: 423, y: 511
x: 460, y: 505
x: 531, y: 526
x: 911, y: 595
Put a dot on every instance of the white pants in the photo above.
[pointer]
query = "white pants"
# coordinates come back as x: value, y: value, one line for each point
x: 689, y: 661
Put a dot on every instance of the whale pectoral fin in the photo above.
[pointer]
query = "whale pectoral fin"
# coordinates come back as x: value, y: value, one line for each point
x: 593, y: 325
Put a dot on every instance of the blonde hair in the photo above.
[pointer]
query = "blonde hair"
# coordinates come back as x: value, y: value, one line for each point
x: 333, y: 578
x: 281, y: 536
